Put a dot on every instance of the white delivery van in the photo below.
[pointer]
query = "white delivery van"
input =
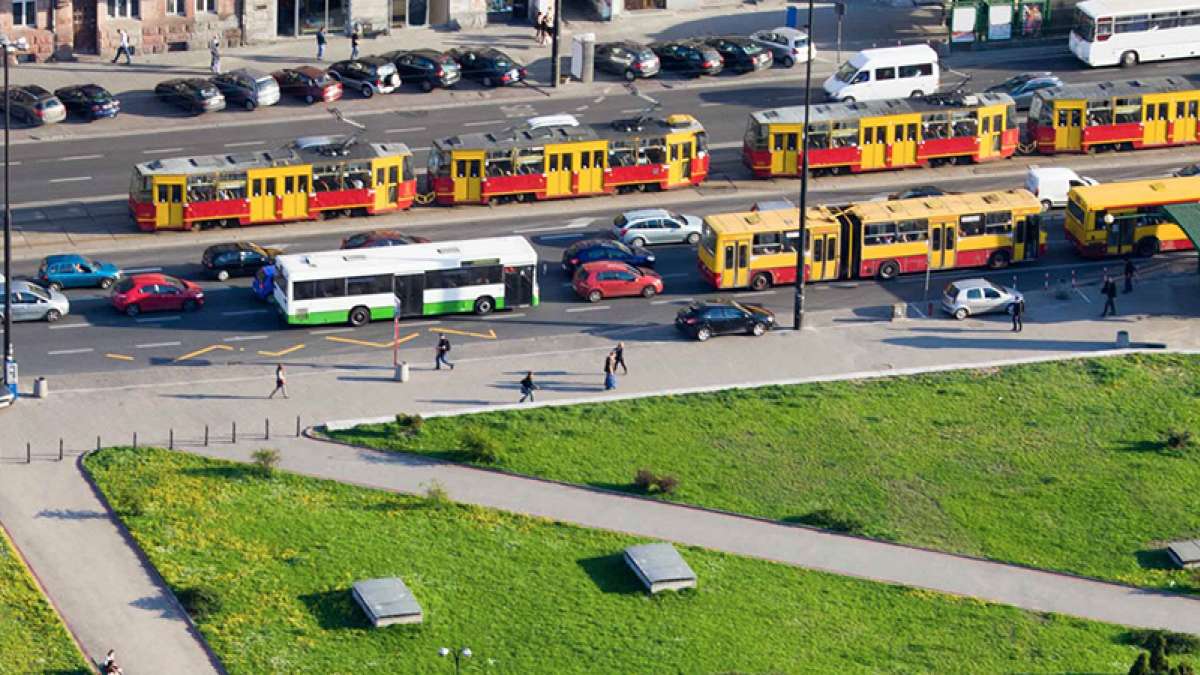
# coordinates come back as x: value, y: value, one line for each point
x: 1052, y: 184
x: 890, y: 72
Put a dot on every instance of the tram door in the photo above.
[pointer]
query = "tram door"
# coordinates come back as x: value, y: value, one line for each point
x: 1183, y: 127
x: 1068, y: 126
x: 467, y: 170
x: 680, y: 150
x: 903, y: 140
x: 386, y: 182
x: 873, y: 143
x: 560, y: 164
x: 991, y: 126
x: 943, y: 242
x: 1155, y: 116
x: 823, y: 263
x: 785, y: 158
x: 168, y: 201
x: 293, y: 192
x: 263, y: 190
x: 591, y: 161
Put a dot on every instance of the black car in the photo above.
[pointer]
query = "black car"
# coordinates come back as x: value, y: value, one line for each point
x: 702, y: 320
x: 193, y: 94
x: 591, y: 250
x: 628, y: 59
x: 222, y: 261
x: 688, y: 57
x: 919, y: 192
x: 34, y: 105
x: 742, y: 55
x: 89, y: 100
x: 369, y: 75
x: 425, y: 67
x: 492, y: 67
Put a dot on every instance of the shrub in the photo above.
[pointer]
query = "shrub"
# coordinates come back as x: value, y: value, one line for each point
x: 1177, y: 439
x: 436, y: 496
x: 648, y: 482
x: 480, y: 447
x: 410, y: 424
x: 1141, y: 665
x: 826, y: 519
x: 201, y: 602
x: 1158, y: 654
x: 1176, y: 643
x: 644, y: 480
x: 266, y: 459
x: 667, y: 484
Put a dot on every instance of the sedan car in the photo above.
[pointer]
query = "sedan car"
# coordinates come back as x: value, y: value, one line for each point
x: 591, y: 250
x: 248, y: 88
x: 595, y: 281
x: 222, y: 261
x: 369, y: 75
x: 702, y: 320
x: 425, y: 68
x: 789, y: 46
x: 31, y: 302
x: 492, y: 67
x: 1189, y: 170
x: 308, y: 83
x: 742, y: 55
x: 968, y: 297
x: 1022, y: 87
x: 378, y: 238
x: 656, y: 226
x: 156, y: 293
x: 31, y: 104
x: 688, y: 57
x: 195, y: 95
x: 90, y: 101
x: 628, y: 59
x: 75, y: 271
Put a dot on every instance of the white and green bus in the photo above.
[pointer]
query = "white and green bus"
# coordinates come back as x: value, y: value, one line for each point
x: 358, y: 285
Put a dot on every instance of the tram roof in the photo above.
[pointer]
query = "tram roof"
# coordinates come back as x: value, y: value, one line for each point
x: 825, y: 112
x: 1092, y: 91
x: 303, y: 150
x: 518, y: 137
x: 923, y: 207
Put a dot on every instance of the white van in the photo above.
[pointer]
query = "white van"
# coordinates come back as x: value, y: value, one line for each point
x: 891, y: 72
x: 1052, y: 184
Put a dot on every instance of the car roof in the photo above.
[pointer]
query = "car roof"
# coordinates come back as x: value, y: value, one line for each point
x: 35, y: 90
x: 785, y: 30
x: 627, y: 44
x: 23, y: 285
x: 639, y: 214
x: 64, y: 258
x: 978, y: 282
x: 606, y: 265
x: 591, y: 243
x: 221, y: 248
x: 148, y: 278
x: 1053, y: 172
x: 249, y: 72
x: 311, y: 71
x: 427, y: 53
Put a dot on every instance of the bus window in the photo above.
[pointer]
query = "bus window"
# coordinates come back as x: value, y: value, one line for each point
x: 743, y: 256
x: 1000, y: 222
x: 729, y: 257
x: 879, y: 233
x: 970, y: 225
x: 818, y: 250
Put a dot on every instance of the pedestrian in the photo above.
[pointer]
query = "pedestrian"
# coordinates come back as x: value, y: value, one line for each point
x: 214, y: 48
x: 320, y: 43
x: 354, y: 44
x: 527, y: 387
x: 548, y: 26
x: 610, y: 368
x: 1130, y: 270
x: 124, y: 48
x: 619, y: 354
x: 443, y: 349
x: 109, y: 665
x: 539, y: 29
x: 1109, y: 290
x: 280, y: 382
x: 1018, y: 315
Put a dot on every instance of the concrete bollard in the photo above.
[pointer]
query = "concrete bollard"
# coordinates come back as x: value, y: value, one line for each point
x: 41, y: 389
x: 899, y: 311
x: 1122, y: 339
x: 402, y: 373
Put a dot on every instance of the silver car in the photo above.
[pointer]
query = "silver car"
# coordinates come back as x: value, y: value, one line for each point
x: 656, y: 226
x: 31, y: 302
x: 969, y: 297
x: 249, y: 88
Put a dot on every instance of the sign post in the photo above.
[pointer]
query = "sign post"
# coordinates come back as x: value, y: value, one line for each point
x: 841, y: 13
x: 396, y: 333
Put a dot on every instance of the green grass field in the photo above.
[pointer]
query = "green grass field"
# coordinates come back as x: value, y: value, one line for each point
x: 532, y: 596
x: 32, y: 639
x: 1056, y: 465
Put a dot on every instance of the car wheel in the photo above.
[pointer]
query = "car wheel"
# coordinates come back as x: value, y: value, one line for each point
x: 757, y: 329
x: 54, y: 286
x: 308, y: 98
x: 1129, y: 59
x: 917, y: 94
x: 1046, y: 205
x: 53, y: 315
x: 649, y: 292
x: 889, y: 270
x: 703, y: 333
x: 223, y: 275
x: 999, y: 260
x: 359, y: 316
x: 190, y: 305
x: 693, y: 238
x: 760, y: 282
x: 250, y: 105
x: 787, y: 61
x: 595, y: 296
x: 426, y: 86
x: 367, y: 91
x: 487, y: 81
x: 106, y: 283
x: 848, y: 99
x: 630, y: 76
x: 961, y: 313
x: 133, y: 310
x: 637, y: 242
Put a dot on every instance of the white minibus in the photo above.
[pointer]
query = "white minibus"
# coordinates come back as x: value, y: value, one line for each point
x: 890, y: 72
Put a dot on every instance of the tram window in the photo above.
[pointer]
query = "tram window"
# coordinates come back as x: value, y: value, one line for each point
x: 1150, y: 115
x: 177, y: 193
x: 256, y: 188
x: 987, y: 125
x: 845, y: 134
x: 379, y: 175
x: 473, y: 165
x: 598, y: 159
x: 818, y: 250
x: 1178, y: 109
x: 289, y: 185
x: 936, y: 128
x: 791, y: 143
x: 1162, y: 111
x: 743, y: 256
x: 163, y: 194
x: 554, y: 162
x: 1192, y: 105
x: 1128, y: 110
x: 964, y: 123
x: 879, y: 233
x: 970, y: 225
x: 729, y: 257
x: 868, y: 136
x: 779, y: 142
x: 301, y: 183
x: 999, y: 222
x: 997, y: 122
x: 585, y: 160
x: 818, y: 138
x: 406, y: 171
x: 269, y: 186
x: 567, y: 163
x: 393, y: 174
x: 674, y: 152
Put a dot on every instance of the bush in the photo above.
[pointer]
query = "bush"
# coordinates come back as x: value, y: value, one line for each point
x: 410, y: 424
x: 436, y: 496
x: 479, y: 447
x: 826, y: 519
x: 1176, y: 643
x: 644, y: 480
x: 667, y: 484
x: 648, y: 482
x: 201, y: 602
x: 266, y: 459
x: 1177, y: 439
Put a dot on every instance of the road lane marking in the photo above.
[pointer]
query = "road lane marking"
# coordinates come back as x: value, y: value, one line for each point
x: 282, y: 352
x: 155, y: 345
x: 245, y: 338
x: 63, y: 352
x: 490, y: 335
x: 327, y: 331
x: 64, y: 326
x: 709, y: 104
x: 483, y: 123
x: 243, y: 144
x: 73, y: 158
x: 668, y: 301
x: 72, y: 179
x: 156, y: 319
x: 509, y: 316
x: 556, y: 237
x: 202, y: 351
x: 119, y: 357
x: 161, y: 151
x: 593, y: 308
x: 628, y: 111
x: 576, y: 224
x: 414, y: 324
x: 1082, y: 295
x: 404, y: 130
x: 245, y: 312
x: 368, y: 343
x: 142, y: 270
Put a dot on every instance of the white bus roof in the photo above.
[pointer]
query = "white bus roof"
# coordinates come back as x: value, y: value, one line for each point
x: 899, y: 54
x: 410, y: 258
x: 1101, y: 8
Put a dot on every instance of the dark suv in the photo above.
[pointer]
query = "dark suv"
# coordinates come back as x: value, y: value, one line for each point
x: 628, y: 59
x: 89, y: 100
x: 491, y: 67
x: 703, y: 320
x: 426, y: 68
x: 591, y: 250
x: 370, y: 75
x: 194, y: 95
x: 742, y: 55
x: 34, y: 105
x: 222, y: 261
x: 688, y: 57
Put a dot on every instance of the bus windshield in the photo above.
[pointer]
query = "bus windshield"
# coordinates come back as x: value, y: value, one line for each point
x: 1085, y: 26
x: 846, y: 72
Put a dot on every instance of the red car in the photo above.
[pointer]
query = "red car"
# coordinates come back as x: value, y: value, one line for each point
x: 309, y: 83
x: 609, y: 279
x: 377, y: 238
x: 156, y: 293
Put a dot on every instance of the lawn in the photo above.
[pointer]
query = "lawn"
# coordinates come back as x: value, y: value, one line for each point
x: 277, y: 557
x: 32, y: 639
x: 1056, y: 465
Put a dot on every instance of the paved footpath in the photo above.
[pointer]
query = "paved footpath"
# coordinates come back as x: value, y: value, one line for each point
x: 110, y: 599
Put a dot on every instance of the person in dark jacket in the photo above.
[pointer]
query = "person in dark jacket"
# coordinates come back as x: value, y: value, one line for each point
x: 1130, y: 270
x: 320, y: 43
x: 610, y: 365
x: 619, y: 358
x: 1018, y: 315
x: 1109, y: 290
x: 527, y: 387
x: 443, y: 350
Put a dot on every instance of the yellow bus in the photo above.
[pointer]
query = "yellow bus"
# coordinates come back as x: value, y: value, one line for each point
x: 881, y: 239
x: 1141, y: 217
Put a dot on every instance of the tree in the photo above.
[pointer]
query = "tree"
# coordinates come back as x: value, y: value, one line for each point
x: 1141, y: 666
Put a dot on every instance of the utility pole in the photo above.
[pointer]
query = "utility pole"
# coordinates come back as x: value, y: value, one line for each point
x: 555, y: 62
x: 7, y: 351
x: 801, y: 245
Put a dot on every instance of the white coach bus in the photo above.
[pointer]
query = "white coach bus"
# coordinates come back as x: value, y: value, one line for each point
x: 1129, y: 32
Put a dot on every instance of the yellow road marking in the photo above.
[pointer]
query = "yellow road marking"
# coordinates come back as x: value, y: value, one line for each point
x: 199, y: 352
x: 119, y: 357
x: 490, y: 335
x: 368, y: 343
x: 283, y: 352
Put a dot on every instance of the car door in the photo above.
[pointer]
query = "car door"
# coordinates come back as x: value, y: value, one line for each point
x: 170, y: 296
x: 974, y: 300
x: 671, y: 231
x: 24, y: 306
x: 993, y: 299
x: 624, y: 283
x: 251, y: 261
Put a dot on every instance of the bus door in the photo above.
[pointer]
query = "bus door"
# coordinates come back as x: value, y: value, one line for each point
x: 1027, y: 238
x: 467, y: 170
x: 559, y: 167
x: 823, y: 263
x: 410, y: 294
x: 943, y: 242
x: 386, y: 182
x: 1155, y: 116
x: 263, y: 190
x: 591, y: 159
x: 903, y: 140
x: 991, y: 125
x: 680, y: 149
x: 294, y: 191
x: 1120, y: 232
x: 1068, y: 126
x: 736, y: 272
x: 785, y: 159
x: 873, y: 141
x: 1183, y: 127
x: 518, y: 286
x: 168, y: 201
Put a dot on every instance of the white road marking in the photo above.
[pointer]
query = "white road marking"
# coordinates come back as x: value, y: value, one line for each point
x: 244, y: 312
x: 681, y: 301
x: 581, y: 108
x: 73, y: 158
x: 554, y: 237
x: 152, y: 345
x: 142, y: 270
x: 710, y: 104
x: 161, y: 151
x: 482, y: 123
x: 631, y: 110
x: 245, y: 338
x: 329, y: 331
x: 1084, y: 296
x: 243, y: 144
x: 404, y: 130
x: 72, y: 179
x: 156, y: 319
x: 593, y: 308
x: 576, y: 224
x: 916, y: 309
x: 508, y: 316
x: 65, y: 326
x: 61, y: 352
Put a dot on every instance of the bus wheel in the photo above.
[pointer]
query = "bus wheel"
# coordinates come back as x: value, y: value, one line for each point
x: 760, y: 282
x: 359, y: 316
x: 1129, y: 59
x: 1147, y: 247
x: 484, y: 305
x: 888, y: 270
x: 999, y: 260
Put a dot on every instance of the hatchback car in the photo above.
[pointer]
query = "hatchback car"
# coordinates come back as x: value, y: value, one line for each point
x: 308, y: 83
x: 195, y: 95
x: 75, y: 271
x: 788, y: 45
x: 595, y: 281
x: 243, y: 258
x: 369, y: 75
x: 263, y: 285
x: 31, y: 302
x: 248, y: 88
x: 90, y: 101
x: 656, y: 226
x: 1189, y: 170
x: 742, y: 55
x: 378, y: 238
x: 591, y: 250
x: 702, y: 320
x: 1022, y: 87
x: 31, y: 104
x: 425, y: 68
x: 688, y: 57
x: 628, y: 59
x: 492, y: 67
x: 156, y: 293
x: 968, y: 297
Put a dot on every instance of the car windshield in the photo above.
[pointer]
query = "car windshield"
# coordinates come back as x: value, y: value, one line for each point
x: 98, y: 96
x: 846, y: 72
x: 38, y: 291
x: 357, y: 240
x: 995, y: 287
x: 677, y: 216
x: 502, y: 62
x: 96, y: 264
x: 124, y: 286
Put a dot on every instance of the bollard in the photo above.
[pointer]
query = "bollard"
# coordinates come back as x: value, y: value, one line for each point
x: 97, y: 444
x: 297, y: 426
x: 929, y: 310
x: 135, y: 440
x: 234, y: 434
x: 1074, y: 284
x: 1014, y: 282
x: 206, y: 435
x: 267, y: 429
x: 60, y: 449
x: 1046, y: 284
x: 899, y: 311
x: 28, y: 452
x: 1122, y: 339
x: 171, y: 440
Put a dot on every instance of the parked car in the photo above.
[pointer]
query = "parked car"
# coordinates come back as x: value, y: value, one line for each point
x: 968, y: 297
x: 263, y: 285
x: 656, y: 226
x: 591, y: 250
x: 702, y: 320
x: 243, y: 258
x: 369, y: 75
x: 1189, y: 170
x: 595, y: 281
x: 88, y: 100
x: 741, y: 55
x: 688, y: 57
x: 1052, y: 184
x: 248, y: 88
x: 156, y: 293
x: 377, y: 238
x: 31, y: 302
x: 33, y: 105
x: 192, y: 94
x: 919, y: 192
x: 628, y: 59
x: 308, y: 83
x: 75, y: 271
x: 425, y: 68
x: 789, y: 46
x: 1022, y: 87
x: 492, y: 67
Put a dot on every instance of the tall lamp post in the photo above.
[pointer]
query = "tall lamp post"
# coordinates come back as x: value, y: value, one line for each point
x: 458, y: 654
x: 801, y: 247
x: 7, y: 395
x: 555, y: 62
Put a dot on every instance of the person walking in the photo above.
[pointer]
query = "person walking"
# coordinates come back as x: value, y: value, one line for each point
x: 539, y: 29
x: 320, y: 43
x: 1130, y: 270
x: 124, y: 48
x: 1109, y: 290
x: 527, y: 387
x: 1018, y: 315
x: 443, y: 349
x: 354, y: 44
x: 214, y: 48
x: 610, y: 367
x: 548, y: 27
x: 280, y: 382
x: 619, y: 358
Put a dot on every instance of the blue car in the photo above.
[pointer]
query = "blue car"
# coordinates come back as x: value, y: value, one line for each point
x: 264, y: 283
x: 591, y: 250
x: 75, y: 271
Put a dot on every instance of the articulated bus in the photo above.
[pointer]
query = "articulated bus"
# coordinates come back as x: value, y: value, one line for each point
x: 1140, y: 217
x: 881, y: 135
x: 872, y: 239
x: 1128, y: 32
x: 358, y: 285
x: 557, y: 161
x: 314, y: 177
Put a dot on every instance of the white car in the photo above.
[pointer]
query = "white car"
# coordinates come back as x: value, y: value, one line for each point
x: 1052, y: 184
x: 638, y: 228
x: 968, y: 297
x: 789, y: 46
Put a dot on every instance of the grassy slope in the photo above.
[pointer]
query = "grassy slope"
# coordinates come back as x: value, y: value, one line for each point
x: 32, y: 639
x: 1055, y: 465
x: 530, y: 596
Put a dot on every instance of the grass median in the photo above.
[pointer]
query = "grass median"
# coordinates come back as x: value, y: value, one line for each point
x: 32, y: 638
x: 1080, y: 466
x: 266, y: 564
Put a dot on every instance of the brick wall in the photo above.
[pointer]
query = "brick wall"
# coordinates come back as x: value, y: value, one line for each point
x: 155, y: 31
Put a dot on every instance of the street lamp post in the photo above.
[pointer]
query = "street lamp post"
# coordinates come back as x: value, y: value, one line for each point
x: 801, y: 247
x: 458, y: 654
x: 555, y: 61
x: 7, y: 351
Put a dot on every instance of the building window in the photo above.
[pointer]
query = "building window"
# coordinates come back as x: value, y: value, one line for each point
x: 124, y: 9
x: 24, y: 13
x: 209, y: 6
x: 177, y: 7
